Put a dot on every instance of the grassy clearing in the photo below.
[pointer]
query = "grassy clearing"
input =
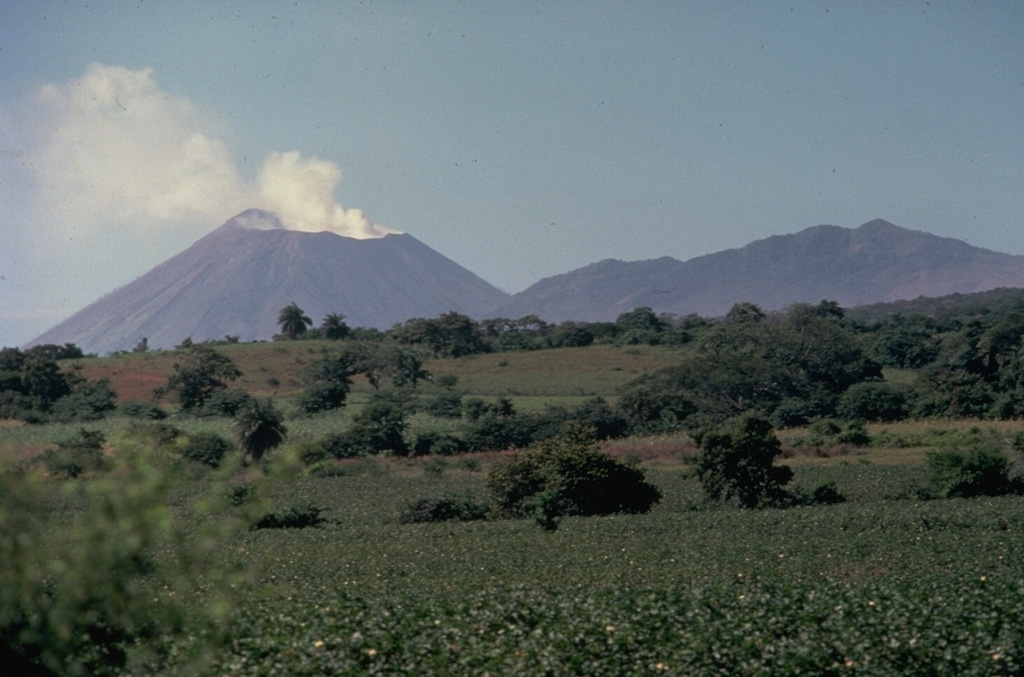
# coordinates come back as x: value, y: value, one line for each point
x: 562, y: 372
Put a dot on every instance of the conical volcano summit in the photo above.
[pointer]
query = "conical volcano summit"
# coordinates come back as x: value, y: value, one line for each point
x: 236, y: 280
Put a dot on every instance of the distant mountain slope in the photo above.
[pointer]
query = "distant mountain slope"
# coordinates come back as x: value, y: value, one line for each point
x: 873, y: 263
x: 236, y: 280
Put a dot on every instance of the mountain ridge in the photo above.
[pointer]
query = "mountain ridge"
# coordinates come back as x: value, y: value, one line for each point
x: 235, y: 280
x: 877, y: 261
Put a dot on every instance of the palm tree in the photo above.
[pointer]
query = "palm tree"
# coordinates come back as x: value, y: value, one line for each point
x: 293, y: 321
x: 259, y: 429
x: 334, y: 327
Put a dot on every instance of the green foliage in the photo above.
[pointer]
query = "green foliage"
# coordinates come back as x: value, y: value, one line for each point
x: 293, y: 321
x: 746, y: 627
x: 874, y: 401
x: 445, y: 404
x: 450, y: 335
x: 378, y: 429
x: 493, y: 431
x: 654, y: 404
x: 979, y: 470
x: 334, y: 327
x: 433, y: 443
x: 106, y: 592
x: 328, y: 380
x: 156, y: 435
x: 50, y: 351
x: 748, y: 363
x: 87, y: 401
x: 259, y: 428
x: 568, y: 475
x: 143, y: 410
x: 76, y: 455
x: 206, y: 448
x: 738, y: 461
x: 292, y: 517
x: 443, y: 509
x: 320, y: 397
x: 202, y: 372
x: 43, y: 382
x: 571, y: 336
x: 224, y: 403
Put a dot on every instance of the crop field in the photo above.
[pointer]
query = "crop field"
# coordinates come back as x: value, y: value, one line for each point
x: 881, y: 584
x: 884, y: 583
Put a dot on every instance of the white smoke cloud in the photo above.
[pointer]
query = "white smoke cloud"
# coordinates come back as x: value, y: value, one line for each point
x: 114, y: 147
x: 301, y: 193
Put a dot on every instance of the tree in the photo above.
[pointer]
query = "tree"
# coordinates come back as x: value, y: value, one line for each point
x: 43, y: 382
x: 378, y: 428
x: 201, y: 373
x: 982, y: 469
x: 334, y: 328
x: 569, y: 475
x: 641, y: 319
x: 328, y: 380
x: 744, y: 312
x: 408, y: 369
x: 738, y: 461
x: 293, y: 321
x: 450, y: 335
x: 259, y: 429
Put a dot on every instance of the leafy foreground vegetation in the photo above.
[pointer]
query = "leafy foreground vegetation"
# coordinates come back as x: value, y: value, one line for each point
x: 157, y: 566
x: 736, y: 497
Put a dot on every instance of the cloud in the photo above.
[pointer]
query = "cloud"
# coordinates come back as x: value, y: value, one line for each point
x: 301, y: 193
x: 113, y: 147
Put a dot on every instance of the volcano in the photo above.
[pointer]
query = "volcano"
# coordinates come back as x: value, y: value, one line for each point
x: 236, y: 280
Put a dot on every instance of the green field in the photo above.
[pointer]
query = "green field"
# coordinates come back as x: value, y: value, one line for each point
x: 884, y: 583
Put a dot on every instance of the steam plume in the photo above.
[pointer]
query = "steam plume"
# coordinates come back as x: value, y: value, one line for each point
x: 115, y: 148
x: 301, y: 193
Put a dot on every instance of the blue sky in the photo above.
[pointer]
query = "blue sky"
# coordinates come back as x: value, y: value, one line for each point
x: 520, y: 139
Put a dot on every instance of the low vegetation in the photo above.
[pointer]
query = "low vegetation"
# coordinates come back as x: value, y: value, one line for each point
x: 800, y: 493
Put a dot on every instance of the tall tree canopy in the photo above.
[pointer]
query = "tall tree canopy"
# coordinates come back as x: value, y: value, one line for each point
x: 293, y: 321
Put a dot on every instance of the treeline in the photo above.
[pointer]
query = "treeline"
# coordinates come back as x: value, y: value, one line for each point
x: 34, y: 387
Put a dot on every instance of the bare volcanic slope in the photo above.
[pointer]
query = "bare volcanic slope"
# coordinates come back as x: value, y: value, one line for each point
x: 236, y: 280
x: 874, y: 263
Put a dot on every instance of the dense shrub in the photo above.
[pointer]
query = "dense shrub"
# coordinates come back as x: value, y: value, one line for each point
x: 874, y: 401
x: 568, y: 475
x: 493, y: 432
x: 76, y: 455
x: 446, y: 404
x: 145, y: 410
x: 88, y: 401
x: 652, y: 406
x: 431, y: 443
x: 980, y: 470
x: 738, y: 460
x: 206, y: 448
x: 97, y: 595
x: 321, y: 396
x: 571, y: 337
x: 293, y: 517
x: 443, y: 509
x: 225, y: 403
x: 344, y: 445
x: 793, y: 412
x: 377, y: 429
